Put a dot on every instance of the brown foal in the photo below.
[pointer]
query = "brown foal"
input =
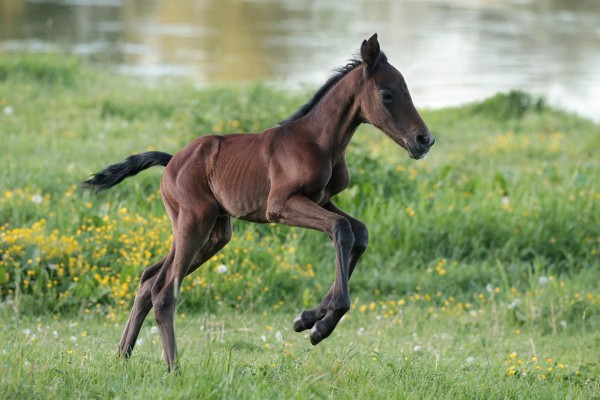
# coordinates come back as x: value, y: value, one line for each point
x: 286, y: 174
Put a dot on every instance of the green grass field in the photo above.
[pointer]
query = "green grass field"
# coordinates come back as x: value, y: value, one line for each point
x: 480, y: 281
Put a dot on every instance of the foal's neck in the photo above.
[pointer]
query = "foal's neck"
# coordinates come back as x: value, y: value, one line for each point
x: 337, y: 116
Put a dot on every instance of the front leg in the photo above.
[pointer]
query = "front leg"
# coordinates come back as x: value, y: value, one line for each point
x: 308, y: 318
x: 302, y: 212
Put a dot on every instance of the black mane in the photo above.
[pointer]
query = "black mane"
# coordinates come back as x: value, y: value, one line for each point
x: 340, y: 72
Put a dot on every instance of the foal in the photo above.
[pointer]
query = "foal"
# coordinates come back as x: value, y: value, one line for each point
x: 287, y: 174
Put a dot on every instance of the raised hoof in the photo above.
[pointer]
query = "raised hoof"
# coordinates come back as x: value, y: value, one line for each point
x: 315, y: 336
x: 299, y: 324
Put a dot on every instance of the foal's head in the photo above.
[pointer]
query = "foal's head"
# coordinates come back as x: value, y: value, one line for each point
x: 386, y: 102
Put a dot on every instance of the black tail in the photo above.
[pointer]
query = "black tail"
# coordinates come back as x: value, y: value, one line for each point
x: 114, y: 174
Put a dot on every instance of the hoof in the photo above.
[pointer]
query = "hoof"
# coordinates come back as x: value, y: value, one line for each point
x: 315, y: 336
x: 298, y: 324
x: 124, y: 353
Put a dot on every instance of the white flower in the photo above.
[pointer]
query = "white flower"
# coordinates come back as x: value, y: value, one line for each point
x: 563, y: 324
x: 154, y: 330
x: 542, y: 280
x: 514, y: 304
x: 73, y: 339
x: 360, y: 331
x: 263, y: 338
x: 416, y: 348
x: 8, y: 110
x: 489, y: 288
x: 470, y: 360
x: 221, y: 269
x: 37, y: 198
x: 139, y: 342
x: 26, y: 331
x: 278, y: 336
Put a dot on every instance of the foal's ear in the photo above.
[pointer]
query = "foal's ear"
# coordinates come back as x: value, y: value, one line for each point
x: 369, y: 51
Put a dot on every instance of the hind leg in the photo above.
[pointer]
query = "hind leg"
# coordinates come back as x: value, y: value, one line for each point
x: 141, y: 307
x: 192, y: 232
x: 219, y: 237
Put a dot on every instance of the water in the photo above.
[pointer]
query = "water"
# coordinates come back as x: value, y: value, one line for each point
x: 450, y: 52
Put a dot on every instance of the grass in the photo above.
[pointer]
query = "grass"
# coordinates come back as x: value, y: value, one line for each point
x: 480, y: 279
x: 249, y: 355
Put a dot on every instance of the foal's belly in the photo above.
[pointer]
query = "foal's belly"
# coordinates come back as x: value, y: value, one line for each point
x: 240, y: 180
x: 249, y: 204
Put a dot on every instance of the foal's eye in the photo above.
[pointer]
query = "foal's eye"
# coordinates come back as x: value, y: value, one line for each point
x: 386, y: 95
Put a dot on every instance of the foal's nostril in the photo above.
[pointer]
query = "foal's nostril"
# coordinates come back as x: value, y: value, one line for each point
x: 424, y: 140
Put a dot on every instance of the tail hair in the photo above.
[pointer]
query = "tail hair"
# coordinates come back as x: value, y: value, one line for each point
x: 114, y: 174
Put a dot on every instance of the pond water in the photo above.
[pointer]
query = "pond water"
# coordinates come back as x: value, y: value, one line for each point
x: 450, y: 51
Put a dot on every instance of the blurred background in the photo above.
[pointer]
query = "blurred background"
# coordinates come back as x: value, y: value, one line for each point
x: 450, y: 51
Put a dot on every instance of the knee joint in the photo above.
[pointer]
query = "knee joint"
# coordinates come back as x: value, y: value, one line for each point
x: 342, y: 232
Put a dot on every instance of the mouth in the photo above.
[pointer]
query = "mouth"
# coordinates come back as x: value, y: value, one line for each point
x: 416, y: 154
